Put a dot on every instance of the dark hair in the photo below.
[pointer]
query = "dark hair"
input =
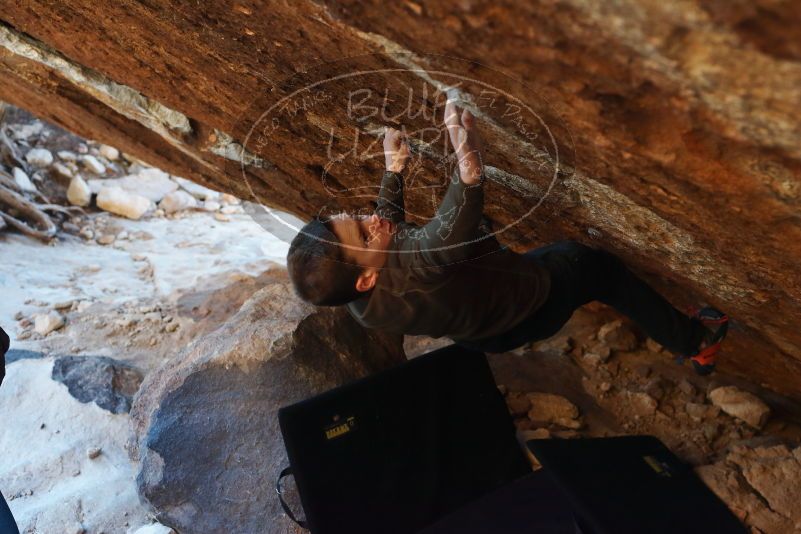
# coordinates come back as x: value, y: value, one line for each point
x: 318, y: 269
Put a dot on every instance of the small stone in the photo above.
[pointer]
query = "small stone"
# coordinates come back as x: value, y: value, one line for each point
x: 655, y: 388
x: 78, y: 193
x: 177, y: 201
x: 63, y: 305
x: 70, y: 228
x: 211, y: 205
x: 196, y: 190
x: 66, y: 155
x: 87, y: 233
x: 25, y: 322
x: 106, y: 239
x: 21, y: 132
x: 741, y: 404
x: 618, y: 336
x: 154, y: 528
x: 227, y: 198
x: 121, y: 202
x: 171, y: 327
x: 76, y: 472
x: 25, y: 334
x: 686, y: 387
x: 82, y: 148
x: 39, y: 157
x: 230, y: 210
x: 605, y: 386
x: 710, y: 430
x: 599, y: 349
x: 92, y: 164
x: 652, y: 345
x: 547, y: 407
x: 108, y: 152
x: 93, y: 452
x: 138, y: 257
x: 518, y: 403
x: 642, y: 404
x: 574, y: 424
x: 221, y: 218
x: 538, y: 433
x: 696, y: 411
x: 62, y: 170
x: 122, y: 235
x: 22, y: 180
x: 44, y: 323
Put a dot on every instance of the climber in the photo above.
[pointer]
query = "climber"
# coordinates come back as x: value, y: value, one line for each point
x: 452, y: 278
x: 7, y: 524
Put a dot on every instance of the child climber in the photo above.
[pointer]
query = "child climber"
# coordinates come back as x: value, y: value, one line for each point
x: 451, y: 278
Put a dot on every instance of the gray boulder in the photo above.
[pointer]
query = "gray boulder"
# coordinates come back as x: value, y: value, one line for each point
x: 206, y: 433
x: 106, y: 382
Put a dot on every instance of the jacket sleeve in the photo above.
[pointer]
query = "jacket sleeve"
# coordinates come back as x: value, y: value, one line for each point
x: 451, y: 236
x: 390, y: 198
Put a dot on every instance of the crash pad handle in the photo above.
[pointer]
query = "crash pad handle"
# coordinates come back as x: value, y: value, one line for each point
x: 285, y: 472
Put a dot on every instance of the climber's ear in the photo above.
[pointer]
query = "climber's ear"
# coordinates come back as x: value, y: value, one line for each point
x: 367, y: 280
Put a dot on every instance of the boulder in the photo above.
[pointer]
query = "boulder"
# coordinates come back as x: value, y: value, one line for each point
x: 775, y: 473
x: 725, y: 480
x: 206, y: 436
x: 121, y: 202
x: 741, y: 404
x: 177, y: 201
x: 78, y: 193
x: 39, y: 157
x: 108, y: 383
x: 680, y: 93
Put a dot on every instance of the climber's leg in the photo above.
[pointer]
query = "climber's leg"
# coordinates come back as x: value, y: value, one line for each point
x: 563, y: 299
x: 598, y: 275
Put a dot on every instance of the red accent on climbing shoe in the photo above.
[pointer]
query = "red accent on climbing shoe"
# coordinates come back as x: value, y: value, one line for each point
x: 707, y: 355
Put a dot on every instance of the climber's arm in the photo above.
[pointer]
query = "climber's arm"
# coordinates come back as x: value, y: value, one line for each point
x: 451, y: 235
x: 390, y: 197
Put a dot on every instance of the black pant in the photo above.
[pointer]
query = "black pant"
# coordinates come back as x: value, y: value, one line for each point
x: 580, y: 274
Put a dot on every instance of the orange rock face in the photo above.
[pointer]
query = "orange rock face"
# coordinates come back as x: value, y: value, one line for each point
x: 669, y: 134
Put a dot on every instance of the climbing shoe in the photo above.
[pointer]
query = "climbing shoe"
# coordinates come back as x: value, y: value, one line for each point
x: 716, y: 324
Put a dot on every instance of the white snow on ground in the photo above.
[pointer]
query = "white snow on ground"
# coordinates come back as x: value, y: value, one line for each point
x: 44, y: 461
x: 181, y: 252
x: 69, y: 490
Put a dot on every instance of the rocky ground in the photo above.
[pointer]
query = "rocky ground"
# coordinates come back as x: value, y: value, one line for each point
x: 129, y: 282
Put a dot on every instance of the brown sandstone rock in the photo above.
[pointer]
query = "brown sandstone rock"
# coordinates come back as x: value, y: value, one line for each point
x: 741, y: 404
x: 677, y: 124
x: 549, y: 408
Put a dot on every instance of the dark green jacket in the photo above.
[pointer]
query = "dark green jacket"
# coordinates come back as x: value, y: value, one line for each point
x: 449, y: 277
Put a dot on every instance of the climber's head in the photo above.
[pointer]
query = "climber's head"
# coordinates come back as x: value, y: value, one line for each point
x: 336, y: 260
